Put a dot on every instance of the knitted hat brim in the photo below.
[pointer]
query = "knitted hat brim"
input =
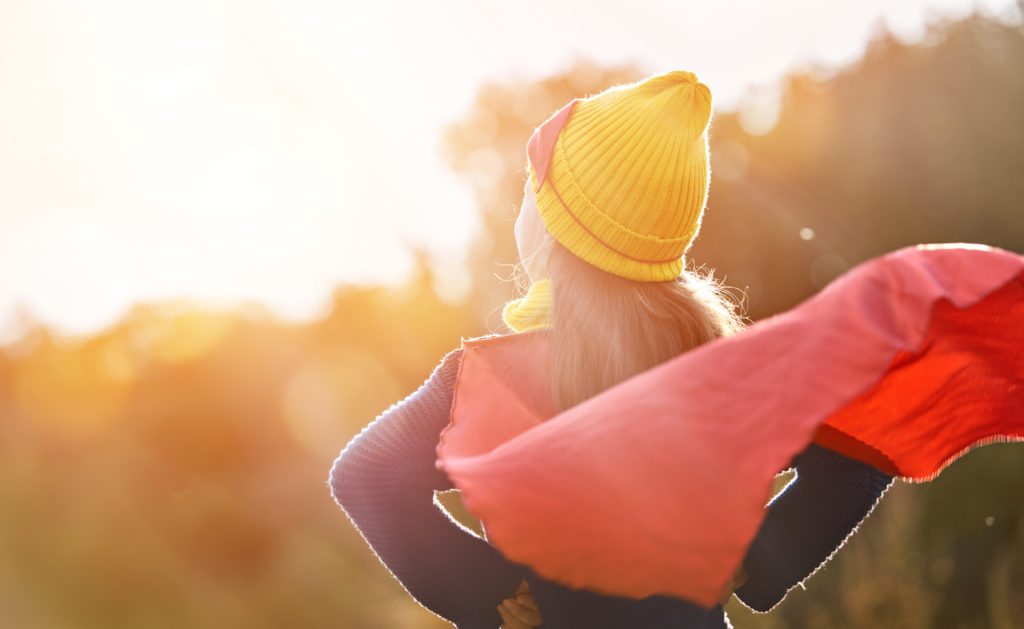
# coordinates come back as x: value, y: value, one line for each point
x: 592, y: 242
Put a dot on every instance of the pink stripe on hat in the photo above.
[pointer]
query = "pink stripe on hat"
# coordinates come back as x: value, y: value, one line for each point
x: 542, y: 142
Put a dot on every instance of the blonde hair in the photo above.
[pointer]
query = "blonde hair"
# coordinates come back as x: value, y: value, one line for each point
x: 606, y: 328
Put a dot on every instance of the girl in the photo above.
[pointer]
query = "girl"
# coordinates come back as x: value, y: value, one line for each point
x: 616, y: 190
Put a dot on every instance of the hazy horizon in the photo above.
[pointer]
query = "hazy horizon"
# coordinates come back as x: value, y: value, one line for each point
x: 229, y: 152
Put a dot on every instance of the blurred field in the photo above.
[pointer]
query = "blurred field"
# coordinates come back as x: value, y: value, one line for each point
x: 171, y: 471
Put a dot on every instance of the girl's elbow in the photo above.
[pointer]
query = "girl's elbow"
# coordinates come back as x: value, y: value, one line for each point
x: 346, y: 480
x: 363, y: 475
x: 337, y: 480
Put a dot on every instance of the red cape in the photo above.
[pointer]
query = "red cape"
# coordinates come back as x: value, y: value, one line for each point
x: 658, y: 485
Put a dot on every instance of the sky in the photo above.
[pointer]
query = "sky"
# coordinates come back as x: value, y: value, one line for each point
x: 227, y: 152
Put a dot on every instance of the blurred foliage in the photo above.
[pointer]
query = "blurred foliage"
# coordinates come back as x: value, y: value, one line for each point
x: 171, y: 471
x: 915, y: 143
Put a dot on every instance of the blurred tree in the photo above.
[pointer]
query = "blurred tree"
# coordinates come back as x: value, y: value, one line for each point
x: 171, y: 471
x: 915, y: 143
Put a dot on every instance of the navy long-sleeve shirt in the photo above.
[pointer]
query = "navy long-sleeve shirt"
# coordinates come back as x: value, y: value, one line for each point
x: 385, y: 480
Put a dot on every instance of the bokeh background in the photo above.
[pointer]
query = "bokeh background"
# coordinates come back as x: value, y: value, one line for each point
x: 232, y: 233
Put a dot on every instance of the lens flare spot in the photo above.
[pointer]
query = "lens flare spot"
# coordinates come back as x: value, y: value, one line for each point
x: 760, y: 108
x: 187, y: 335
x: 827, y: 267
x: 329, y: 398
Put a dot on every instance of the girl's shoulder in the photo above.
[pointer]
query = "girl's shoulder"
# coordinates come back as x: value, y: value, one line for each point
x: 532, y: 338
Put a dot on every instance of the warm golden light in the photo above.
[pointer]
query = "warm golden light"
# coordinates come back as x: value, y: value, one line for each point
x: 232, y: 233
x: 268, y: 151
x: 77, y: 392
x: 187, y: 335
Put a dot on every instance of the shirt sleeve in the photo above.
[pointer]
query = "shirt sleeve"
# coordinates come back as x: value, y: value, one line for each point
x: 385, y: 480
x: 807, y: 522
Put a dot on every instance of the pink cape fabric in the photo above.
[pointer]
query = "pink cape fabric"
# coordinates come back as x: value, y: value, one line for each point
x: 658, y: 485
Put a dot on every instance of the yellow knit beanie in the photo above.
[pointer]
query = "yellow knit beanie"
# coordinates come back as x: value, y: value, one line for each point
x: 621, y: 178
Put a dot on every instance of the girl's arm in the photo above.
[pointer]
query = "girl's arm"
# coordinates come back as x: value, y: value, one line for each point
x: 808, y: 522
x: 385, y: 480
